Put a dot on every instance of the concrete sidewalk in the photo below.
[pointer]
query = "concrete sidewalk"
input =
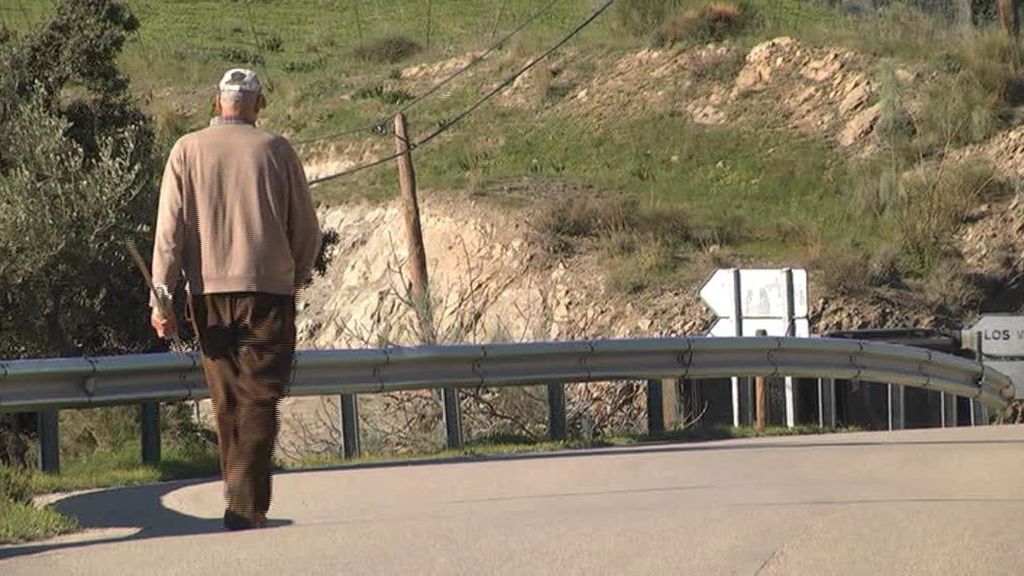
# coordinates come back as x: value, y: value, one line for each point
x: 913, y: 502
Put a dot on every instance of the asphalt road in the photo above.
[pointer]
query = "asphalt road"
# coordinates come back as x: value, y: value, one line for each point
x: 915, y: 502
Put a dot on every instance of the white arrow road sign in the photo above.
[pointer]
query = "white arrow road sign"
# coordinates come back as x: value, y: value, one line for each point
x: 762, y: 293
x: 719, y: 293
x: 725, y: 327
x: 750, y: 300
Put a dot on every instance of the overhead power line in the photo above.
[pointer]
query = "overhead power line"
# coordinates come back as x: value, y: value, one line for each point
x: 448, y: 124
x: 380, y: 125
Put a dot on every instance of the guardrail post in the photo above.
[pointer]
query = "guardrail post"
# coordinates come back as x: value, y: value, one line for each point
x: 948, y: 406
x: 149, y: 417
x: 452, y: 418
x: 747, y: 401
x: 761, y: 392
x: 978, y: 416
x: 670, y: 400
x: 556, y: 412
x: 827, y: 403
x: 655, y: 408
x: 350, y: 426
x: 789, y: 389
x: 897, y: 414
x: 737, y: 312
x: 49, y: 441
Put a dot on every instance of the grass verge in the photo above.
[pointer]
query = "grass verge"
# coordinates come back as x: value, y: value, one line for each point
x: 20, y: 520
x: 124, y: 467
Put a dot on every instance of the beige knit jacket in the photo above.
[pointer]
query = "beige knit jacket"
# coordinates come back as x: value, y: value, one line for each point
x: 235, y: 213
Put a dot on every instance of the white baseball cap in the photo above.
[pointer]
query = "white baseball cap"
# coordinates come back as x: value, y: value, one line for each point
x: 240, y: 80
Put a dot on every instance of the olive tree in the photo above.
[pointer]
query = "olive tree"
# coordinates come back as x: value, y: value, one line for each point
x: 77, y: 179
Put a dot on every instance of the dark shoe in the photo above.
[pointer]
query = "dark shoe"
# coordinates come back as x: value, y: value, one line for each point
x: 235, y: 521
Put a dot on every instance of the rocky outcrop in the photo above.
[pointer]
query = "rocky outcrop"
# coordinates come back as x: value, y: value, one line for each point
x: 817, y: 90
x: 489, y: 282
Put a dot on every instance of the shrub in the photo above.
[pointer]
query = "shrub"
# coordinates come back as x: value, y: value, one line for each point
x: 237, y: 55
x: 992, y: 60
x: 951, y: 290
x: 14, y: 485
x: 378, y: 92
x: 76, y: 180
x: 931, y: 203
x: 710, y: 23
x: 849, y: 269
x: 271, y: 43
x: 578, y: 216
x: 388, y: 50
x: 641, y: 265
x: 642, y: 18
x: 842, y: 271
x: 84, y: 432
x: 304, y: 65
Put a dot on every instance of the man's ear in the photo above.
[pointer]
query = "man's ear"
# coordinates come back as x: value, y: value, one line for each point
x: 216, y: 105
x: 261, y: 103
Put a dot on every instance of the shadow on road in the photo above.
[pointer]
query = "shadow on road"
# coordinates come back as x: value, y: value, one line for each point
x: 127, y: 508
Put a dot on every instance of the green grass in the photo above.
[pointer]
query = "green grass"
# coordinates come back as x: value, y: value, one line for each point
x: 124, y: 467
x: 21, y: 522
x: 183, y: 46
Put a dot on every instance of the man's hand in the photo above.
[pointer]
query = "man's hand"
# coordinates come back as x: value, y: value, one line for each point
x: 165, y: 327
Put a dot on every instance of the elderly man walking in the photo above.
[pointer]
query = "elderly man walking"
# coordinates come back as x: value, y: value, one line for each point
x: 236, y: 215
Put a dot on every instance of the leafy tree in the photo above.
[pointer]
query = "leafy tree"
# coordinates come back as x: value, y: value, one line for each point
x: 77, y: 178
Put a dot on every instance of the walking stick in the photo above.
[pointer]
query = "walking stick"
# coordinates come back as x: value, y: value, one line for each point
x: 163, y: 299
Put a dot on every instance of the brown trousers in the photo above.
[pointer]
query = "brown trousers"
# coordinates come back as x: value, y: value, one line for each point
x: 248, y: 342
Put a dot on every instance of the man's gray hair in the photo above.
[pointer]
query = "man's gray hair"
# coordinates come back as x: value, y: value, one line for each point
x: 238, y: 98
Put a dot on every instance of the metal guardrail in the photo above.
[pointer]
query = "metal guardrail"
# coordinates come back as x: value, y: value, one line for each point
x: 34, y: 385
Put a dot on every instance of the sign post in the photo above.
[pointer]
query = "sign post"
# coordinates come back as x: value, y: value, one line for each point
x: 749, y: 301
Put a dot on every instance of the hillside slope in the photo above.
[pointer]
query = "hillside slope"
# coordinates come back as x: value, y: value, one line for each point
x: 820, y: 93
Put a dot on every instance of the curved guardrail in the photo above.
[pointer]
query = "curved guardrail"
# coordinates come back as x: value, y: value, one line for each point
x: 28, y: 385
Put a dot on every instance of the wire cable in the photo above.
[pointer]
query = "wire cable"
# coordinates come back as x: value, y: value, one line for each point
x: 448, y: 124
x: 380, y: 125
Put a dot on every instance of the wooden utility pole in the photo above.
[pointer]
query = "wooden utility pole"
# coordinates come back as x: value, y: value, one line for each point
x: 420, y: 291
x: 1009, y: 16
x: 761, y: 392
x: 430, y: 14
x: 413, y: 232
